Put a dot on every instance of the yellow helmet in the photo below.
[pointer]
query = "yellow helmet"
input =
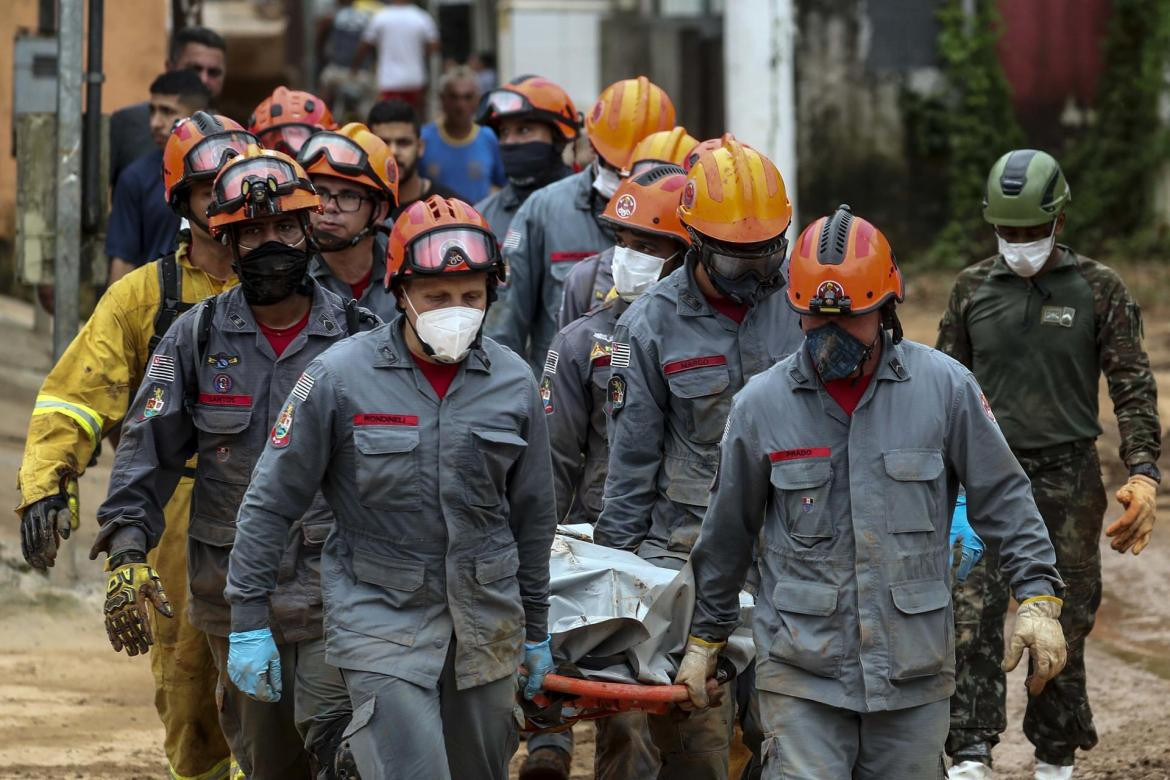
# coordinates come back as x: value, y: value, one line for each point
x: 666, y: 147
x: 626, y: 112
x: 735, y: 195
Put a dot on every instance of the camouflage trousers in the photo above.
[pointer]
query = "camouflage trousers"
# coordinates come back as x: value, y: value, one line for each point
x: 1066, y: 482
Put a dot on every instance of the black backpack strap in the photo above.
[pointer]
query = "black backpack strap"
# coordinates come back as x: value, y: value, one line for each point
x: 203, y: 337
x: 355, y: 316
x: 170, y: 299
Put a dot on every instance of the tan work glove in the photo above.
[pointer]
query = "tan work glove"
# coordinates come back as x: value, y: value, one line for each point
x: 129, y: 586
x: 697, y: 667
x: 1134, y: 528
x: 1038, y: 629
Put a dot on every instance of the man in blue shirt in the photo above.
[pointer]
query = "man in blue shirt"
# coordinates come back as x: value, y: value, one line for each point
x: 142, y: 226
x: 460, y: 154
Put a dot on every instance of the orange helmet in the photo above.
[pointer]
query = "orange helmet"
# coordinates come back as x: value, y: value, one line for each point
x: 198, y: 147
x: 666, y: 147
x: 842, y: 264
x: 531, y: 97
x: 355, y: 154
x: 284, y: 120
x: 648, y: 202
x: 710, y: 145
x: 441, y: 236
x: 626, y: 112
x: 735, y: 195
x: 259, y: 183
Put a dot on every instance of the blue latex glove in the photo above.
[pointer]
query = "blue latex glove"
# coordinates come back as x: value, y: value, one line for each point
x: 254, y: 664
x: 964, y: 534
x: 539, y: 662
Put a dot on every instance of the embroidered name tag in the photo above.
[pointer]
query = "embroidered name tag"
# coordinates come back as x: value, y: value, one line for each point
x: 385, y: 419
x: 219, y: 399
x: 676, y: 366
x: 804, y: 453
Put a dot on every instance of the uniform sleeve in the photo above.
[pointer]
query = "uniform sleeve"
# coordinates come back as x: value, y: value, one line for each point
x: 953, y: 338
x: 85, y: 395
x: 999, y: 494
x: 285, y: 481
x: 524, y: 253
x: 735, y: 514
x: 578, y: 293
x: 1127, y: 372
x: 124, y: 229
x: 532, y: 519
x: 499, y: 178
x: 158, y: 436
x: 567, y: 413
x: 636, y: 435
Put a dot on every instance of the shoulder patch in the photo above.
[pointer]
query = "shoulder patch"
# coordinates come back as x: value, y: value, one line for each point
x: 620, y: 354
x: 282, y: 430
x: 987, y: 408
x: 551, y: 361
x: 512, y: 240
x: 161, y: 368
x: 303, y: 386
x: 617, y: 393
x: 546, y: 394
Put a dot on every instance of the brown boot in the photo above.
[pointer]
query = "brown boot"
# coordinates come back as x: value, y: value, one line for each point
x: 546, y: 763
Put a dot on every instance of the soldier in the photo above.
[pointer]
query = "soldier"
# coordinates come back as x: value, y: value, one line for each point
x: 558, y: 226
x: 85, y: 397
x: 679, y: 353
x: 215, y: 386
x: 1038, y: 324
x: 356, y: 177
x: 651, y: 242
x: 840, y: 466
x: 284, y: 120
x: 591, y: 280
x: 430, y: 445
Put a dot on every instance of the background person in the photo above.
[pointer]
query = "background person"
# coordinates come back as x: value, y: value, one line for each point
x: 397, y: 124
x: 404, y: 36
x: 458, y: 153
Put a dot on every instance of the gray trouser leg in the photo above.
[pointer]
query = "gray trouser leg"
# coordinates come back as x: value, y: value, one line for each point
x: 262, y: 735
x: 807, y: 740
x: 322, y: 702
x: 697, y: 747
x: 403, y: 730
x: 624, y: 749
x: 561, y: 740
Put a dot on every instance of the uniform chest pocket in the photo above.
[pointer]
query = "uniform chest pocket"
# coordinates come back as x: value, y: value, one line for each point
x: 922, y: 635
x: 491, y: 456
x: 704, y: 402
x: 386, y: 462
x: 913, y: 501
x: 802, y: 489
x: 225, y: 454
x: 809, y: 634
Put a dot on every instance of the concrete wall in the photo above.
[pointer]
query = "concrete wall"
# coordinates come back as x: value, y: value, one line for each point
x: 135, y: 52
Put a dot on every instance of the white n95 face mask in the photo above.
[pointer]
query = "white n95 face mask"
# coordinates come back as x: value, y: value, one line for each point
x: 606, y: 181
x: 448, y: 332
x: 1026, y: 260
x: 634, y: 272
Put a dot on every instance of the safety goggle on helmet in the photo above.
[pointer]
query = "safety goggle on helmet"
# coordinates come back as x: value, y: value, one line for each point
x: 352, y: 153
x: 260, y: 183
x: 441, y: 235
x: 197, y: 148
x: 531, y: 97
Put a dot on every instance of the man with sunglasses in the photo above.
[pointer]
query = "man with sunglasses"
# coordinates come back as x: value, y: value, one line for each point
x: 429, y: 442
x: 216, y: 386
x: 1038, y: 324
x: 284, y: 120
x: 355, y: 174
x: 85, y: 397
x: 679, y: 354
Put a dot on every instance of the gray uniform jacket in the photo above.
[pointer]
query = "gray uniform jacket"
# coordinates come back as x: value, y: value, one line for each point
x: 552, y: 231
x: 854, y: 608
x: 573, y: 388
x: 375, y: 297
x: 499, y: 208
x: 586, y: 286
x: 444, y: 511
x: 220, y: 402
x: 675, y: 365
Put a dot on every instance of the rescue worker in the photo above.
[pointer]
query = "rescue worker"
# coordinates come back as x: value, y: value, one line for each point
x: 430, y: 445
x: 356, y: 177
x: 215, y: 386
x: 1038, y: 324
x: 840, y: 466
x: 534, y: 120
x: 85, y: 396
x: 558, y: 225
x: 591, y: 280
x: 651, y: 242
x: 679, y: 353
x: 284, y: 120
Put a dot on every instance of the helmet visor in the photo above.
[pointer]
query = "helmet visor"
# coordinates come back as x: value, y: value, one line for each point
x: 438, y: 250
x: 503, y: 102
x: 258, y: 179
x: 342, y: 153
x: 209, y: 155
x: 763, y: 262
x: 286, y: 138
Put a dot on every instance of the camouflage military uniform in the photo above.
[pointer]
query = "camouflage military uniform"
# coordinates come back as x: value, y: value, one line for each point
x: 1038, y: 347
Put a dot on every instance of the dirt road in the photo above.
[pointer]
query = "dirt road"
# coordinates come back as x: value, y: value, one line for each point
x: 71, y: 708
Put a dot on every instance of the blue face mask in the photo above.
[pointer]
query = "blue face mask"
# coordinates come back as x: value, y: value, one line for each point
x: 836, y: 354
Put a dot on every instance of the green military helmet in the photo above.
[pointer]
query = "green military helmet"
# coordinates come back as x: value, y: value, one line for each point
x: 1025, y: 187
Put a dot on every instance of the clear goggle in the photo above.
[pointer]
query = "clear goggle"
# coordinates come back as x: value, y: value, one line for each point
x: 433, y: 252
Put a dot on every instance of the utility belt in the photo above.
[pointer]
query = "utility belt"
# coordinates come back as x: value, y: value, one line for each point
x: 1056, y: 451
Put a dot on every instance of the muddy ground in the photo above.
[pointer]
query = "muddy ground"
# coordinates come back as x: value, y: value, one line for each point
x: 71, y: 708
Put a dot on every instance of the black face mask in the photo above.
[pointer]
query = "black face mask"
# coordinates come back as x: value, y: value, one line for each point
x: 530, y: 165
x: 271, y: 272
